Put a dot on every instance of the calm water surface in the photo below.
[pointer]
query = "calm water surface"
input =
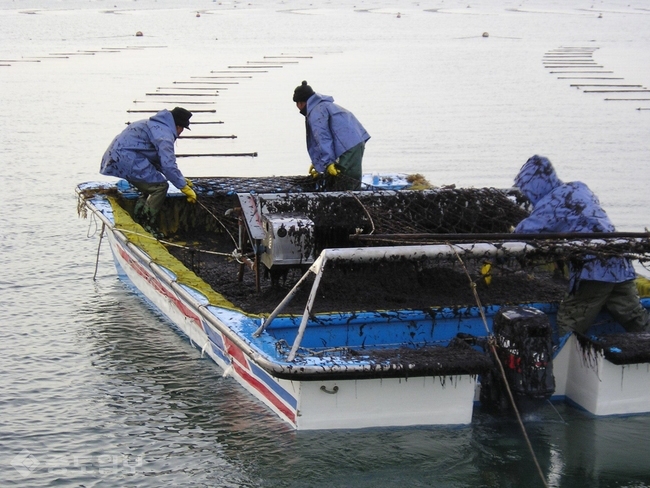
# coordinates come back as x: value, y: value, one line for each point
x: 98, y: 390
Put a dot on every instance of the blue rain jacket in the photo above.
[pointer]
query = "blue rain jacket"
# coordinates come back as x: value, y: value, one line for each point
x: 144, y: 152
x: 568, y: 207
x: 331, y: 131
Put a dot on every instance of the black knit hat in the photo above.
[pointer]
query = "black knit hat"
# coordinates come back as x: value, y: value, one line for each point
x: 182, y: 117
x: 302, y: 92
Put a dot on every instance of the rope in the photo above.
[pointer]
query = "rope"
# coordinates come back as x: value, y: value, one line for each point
x: 217, y: 219
x: 98, y: 248
x: 491, y: 343
x: 366, y: 211
x: 173, y: 244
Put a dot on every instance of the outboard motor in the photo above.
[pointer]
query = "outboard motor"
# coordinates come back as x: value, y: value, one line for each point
x: 524, y: 346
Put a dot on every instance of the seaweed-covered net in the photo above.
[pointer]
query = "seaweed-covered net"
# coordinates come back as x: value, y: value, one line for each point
x: 207, y: 233
x: 439, y: 211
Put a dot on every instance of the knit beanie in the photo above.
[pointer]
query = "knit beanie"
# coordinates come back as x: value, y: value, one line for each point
x: 302, y: 92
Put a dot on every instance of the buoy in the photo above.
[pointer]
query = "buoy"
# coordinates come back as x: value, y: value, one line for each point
x: 198, y: 14
x: 485, y: 34
x: 138, y: 34
x: 600, y: 16
x: 399, y: 16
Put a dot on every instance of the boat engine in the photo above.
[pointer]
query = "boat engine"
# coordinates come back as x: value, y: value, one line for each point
x: 524, y: 347
x: 288, y: 242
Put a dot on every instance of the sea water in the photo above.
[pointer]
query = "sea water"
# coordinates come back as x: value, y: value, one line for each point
x: 98, y: 390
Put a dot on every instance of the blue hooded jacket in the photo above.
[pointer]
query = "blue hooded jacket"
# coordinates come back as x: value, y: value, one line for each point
x: 331, y: 131
x: 568, y: 207
x: 144, y: 152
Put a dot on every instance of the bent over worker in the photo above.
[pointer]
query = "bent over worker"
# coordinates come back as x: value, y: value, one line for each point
x: 599, y: 282
x: 143, y: 154
x: 336, y: 140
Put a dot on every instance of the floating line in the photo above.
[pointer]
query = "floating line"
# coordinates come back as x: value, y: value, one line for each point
x: 617, y: 91
x: 207, y: 82
x: 218, y: 155
x: 156, y: 111
x: 627, y: 99
x: 581, y: 72
x: 238, y: 71
x: 249, y: 67
x: 20, y: 60
x: 189, y: 102
x: 267, y: 63
x: 219, y: 77
x: 587, y: 78
x: 185, y: 88
x: 575, y: 66
x: 208, y: 137
x: 182, y: 94
x: 288, y: 57
x: 584, y: 84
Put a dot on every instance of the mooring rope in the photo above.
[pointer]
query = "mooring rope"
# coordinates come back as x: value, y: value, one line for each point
x: 491, y: 343
x: 101, y: 235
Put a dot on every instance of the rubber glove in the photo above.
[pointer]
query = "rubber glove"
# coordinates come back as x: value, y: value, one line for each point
x: 189, y: 193
x: 486, y: 271
x: 189, y: 183
x: 332, y: 169
x: 312, y: 171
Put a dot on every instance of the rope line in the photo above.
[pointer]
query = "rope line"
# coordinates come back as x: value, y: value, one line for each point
x: 491, y: 343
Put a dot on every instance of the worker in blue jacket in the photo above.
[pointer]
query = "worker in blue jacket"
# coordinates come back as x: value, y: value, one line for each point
x: 336, y: 140
x: 143, y: 154
x: 599, y: 282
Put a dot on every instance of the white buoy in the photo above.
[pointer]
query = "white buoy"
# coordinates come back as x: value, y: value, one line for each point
x: 138, y: 34
x: 485, y: 34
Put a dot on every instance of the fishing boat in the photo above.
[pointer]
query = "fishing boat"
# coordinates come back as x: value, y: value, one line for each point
x: 398, y: 304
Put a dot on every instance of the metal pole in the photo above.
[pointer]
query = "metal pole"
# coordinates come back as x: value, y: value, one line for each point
x: 310, y: 303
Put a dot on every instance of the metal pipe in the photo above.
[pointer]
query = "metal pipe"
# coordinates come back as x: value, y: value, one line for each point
x: 285, y: 301
x: 310, y: 303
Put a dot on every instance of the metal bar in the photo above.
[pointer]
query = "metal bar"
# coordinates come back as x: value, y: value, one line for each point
x: 310, y: 303
x: 285, y: 301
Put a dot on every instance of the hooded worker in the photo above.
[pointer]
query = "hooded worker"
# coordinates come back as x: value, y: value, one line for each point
x: 335, y: 139
x: 143, y: 154
x: 598, y: 282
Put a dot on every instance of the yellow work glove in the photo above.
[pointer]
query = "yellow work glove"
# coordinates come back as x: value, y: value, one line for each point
x: 189, y: 193
x: 189, y: 183
x: 332, y: 169
x: 312, y: 171
x: 486, y: 271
